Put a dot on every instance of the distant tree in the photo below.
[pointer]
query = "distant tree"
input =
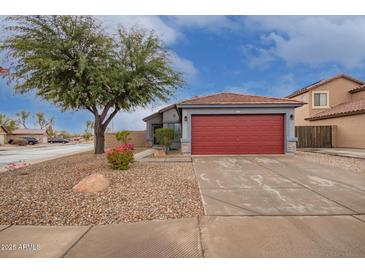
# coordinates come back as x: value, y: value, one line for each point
x: 72, y: 62
x: 43, y: 122
x: 8, y: 123
x: 50, y: 131
x: 23, y: 117
x: 87, y: 135
x: 89, y: 126
x: 65, y: 134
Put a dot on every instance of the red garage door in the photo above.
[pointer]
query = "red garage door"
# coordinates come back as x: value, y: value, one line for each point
x: 237, y: 134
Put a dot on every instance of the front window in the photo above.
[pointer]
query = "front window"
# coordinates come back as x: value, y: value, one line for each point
x: 177, y: 129
x: 320, y: 99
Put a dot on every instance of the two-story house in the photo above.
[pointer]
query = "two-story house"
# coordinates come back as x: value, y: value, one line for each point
x: 338, y: 101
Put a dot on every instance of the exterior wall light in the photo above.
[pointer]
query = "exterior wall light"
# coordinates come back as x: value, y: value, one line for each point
x: 185, y: 118
x: 291, y: 116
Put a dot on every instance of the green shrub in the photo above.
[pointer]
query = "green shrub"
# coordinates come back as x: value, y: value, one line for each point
x: 165, y: 136
x: 120, y: 158
x: 123, y: 136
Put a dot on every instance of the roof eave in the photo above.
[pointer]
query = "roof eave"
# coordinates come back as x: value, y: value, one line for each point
x: 149, y: 117
x: 357, y: 90
x: 325, y: 81
x: 260, y: 105
x: 335, y: 115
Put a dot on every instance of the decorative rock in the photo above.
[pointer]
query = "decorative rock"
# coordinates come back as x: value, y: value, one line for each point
x: 160, y: 153
x: 92, y: 183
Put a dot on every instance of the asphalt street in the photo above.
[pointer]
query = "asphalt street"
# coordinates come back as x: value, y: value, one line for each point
x: 34, y: 154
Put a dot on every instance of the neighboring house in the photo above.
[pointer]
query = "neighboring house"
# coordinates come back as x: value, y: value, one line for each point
x: 39, y: 134
x: 337, y: 101
x: 3, y: 133
x: 228, y: 123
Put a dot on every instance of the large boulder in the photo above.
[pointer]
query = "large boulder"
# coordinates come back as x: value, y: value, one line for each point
x: 92, y: 183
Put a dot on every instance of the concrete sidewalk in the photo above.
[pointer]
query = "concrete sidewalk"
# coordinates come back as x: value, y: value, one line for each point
x: 207, y: 236
x: 358, y: 153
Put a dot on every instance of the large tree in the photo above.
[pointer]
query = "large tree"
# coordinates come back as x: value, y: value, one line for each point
x: 72, y: 62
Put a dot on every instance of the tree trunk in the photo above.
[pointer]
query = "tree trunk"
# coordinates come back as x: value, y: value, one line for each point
x: 100, y: 125
x: 99, y: 137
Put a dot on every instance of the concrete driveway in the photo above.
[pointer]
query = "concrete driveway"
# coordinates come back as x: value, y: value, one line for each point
x: 36, y: 154
x: 277, y: 185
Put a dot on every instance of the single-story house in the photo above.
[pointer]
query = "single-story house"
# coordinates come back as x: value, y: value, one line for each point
x: 3, y: 133
x: 39, y: 134
x: 228, y: 123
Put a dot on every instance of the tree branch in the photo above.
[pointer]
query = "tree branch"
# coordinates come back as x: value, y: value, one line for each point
x: 95, y: 110
x: 111, y: 116
x: 105, y: 111
x: 90, y: 109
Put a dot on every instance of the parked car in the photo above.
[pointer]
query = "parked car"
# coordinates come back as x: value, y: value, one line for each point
x: 30, y: 140
x: 58, y: 140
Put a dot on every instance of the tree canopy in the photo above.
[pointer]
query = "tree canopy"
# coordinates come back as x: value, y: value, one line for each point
x: 23, y: 117
x: 43, y: 122
x: 74, y: 63
x: 8, y: 123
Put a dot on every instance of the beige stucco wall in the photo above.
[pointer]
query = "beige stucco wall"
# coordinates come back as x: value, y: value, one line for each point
x: 358, y: 95
x: 350, y: 130
x: 338, y: 93
x: 2, y: 138
x: 138, y: 138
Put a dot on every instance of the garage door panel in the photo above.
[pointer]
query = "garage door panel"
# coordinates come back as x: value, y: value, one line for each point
x: 233, y: 141
x: 237, y: 134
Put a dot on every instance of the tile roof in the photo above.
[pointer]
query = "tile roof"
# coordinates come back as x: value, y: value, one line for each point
x: 321, y: 82
x: 235, y: 98
x: 28, y: 131
x: 344, y: 109
x: 357, y: 89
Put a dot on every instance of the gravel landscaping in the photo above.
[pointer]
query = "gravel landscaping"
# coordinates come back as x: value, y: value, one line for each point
x: 353, y: 164
x: 42, y: 194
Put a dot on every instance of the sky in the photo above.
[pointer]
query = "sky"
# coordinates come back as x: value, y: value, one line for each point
x: 262, y: 55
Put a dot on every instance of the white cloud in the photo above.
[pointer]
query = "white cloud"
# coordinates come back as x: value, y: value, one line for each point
x: 312, y: 40
x: 279, y: 87
x: 130, y: 120
x: 133, y: 120
x: 206, y: 22
x: 183, y: 65
x: 166, y: 33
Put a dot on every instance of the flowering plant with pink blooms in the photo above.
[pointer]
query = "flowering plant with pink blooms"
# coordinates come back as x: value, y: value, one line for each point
x: 120, y: 157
